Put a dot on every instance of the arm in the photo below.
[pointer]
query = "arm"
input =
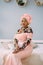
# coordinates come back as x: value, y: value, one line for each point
x: 25, y: 53
x: 29, y: 35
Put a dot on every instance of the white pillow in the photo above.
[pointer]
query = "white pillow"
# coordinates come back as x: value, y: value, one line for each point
x: 7, y: 44
x: 34, y: 45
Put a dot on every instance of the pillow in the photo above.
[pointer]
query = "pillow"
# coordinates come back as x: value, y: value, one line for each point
x: 3, y: 44
x: 7, y: 44
x: 34, y: 45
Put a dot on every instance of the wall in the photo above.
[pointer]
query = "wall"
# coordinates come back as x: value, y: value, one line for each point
x: 10, y: 14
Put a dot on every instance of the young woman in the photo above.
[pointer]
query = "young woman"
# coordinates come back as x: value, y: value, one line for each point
x: 15, y: 58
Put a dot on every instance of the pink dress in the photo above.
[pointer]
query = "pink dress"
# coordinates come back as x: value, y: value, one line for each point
x: 27, y: 51
x: 15, y: 59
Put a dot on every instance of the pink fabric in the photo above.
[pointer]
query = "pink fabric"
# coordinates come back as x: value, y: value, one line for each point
x: 29, y: 35
x: 28, y: 18
x: 11, y: 59
x: 21, y: 37
x: 25, y: 53
x: 15, y: 59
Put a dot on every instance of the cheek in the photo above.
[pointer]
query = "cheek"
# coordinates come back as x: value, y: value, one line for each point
x: 26, y: 23
x: 22, y: 23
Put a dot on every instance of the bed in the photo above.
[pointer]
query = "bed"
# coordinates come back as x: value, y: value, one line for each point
x: 6, y: 46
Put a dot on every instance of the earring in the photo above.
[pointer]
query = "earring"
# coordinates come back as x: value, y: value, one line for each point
x: 21, y: 2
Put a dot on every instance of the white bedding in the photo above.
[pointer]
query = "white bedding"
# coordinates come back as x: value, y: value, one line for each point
x: 7, y: 47
x: 39, y: 49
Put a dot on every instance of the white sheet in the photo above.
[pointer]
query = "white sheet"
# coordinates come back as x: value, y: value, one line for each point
x: 5, y: 49
x: 39, y: 49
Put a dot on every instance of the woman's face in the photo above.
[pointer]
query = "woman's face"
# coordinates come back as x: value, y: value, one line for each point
x: 24, y: 23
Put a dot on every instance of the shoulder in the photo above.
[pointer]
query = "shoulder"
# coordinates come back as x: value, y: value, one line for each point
x: 29, y: 28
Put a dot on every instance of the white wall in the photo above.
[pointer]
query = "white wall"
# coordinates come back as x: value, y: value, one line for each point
x: 10, y: 14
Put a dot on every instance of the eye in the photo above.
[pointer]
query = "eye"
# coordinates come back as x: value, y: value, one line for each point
x: 22, y: 20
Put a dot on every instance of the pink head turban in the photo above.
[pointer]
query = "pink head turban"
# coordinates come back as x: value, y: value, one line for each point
x: 27, y: 17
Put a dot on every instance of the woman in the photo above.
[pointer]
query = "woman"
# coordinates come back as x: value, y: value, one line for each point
x: 15, y: 58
